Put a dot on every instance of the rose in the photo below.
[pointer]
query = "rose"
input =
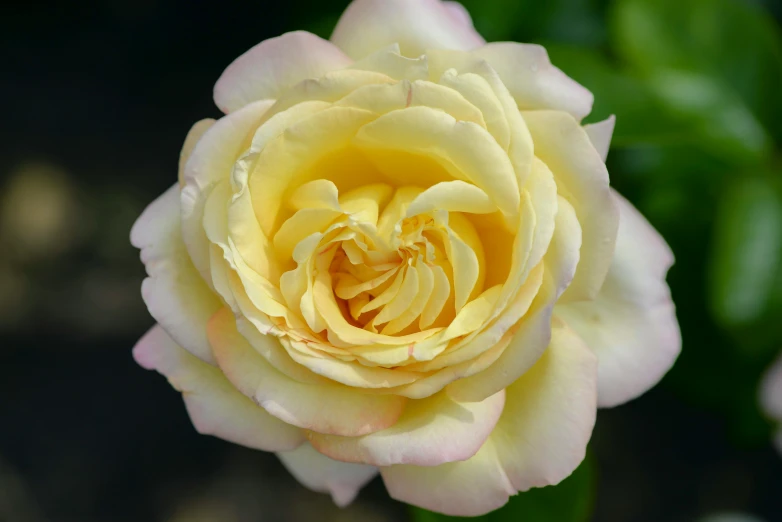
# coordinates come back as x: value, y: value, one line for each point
x: 399, y: 251
x: 771, y: 397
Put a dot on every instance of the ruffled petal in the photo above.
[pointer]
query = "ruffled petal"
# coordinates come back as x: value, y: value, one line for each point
x: 539, y: 440
x: 431, y: 431
x: 631, y: 326
x: 271, y: 67
x: 367, y: 26
x: 215, y: 407
x: 176, y: 295
x: 324, y: 475
x: 533, y: 81
x: 324, y: 408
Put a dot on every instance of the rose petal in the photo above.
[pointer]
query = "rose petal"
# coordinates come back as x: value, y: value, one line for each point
x: 533, y: 81
x: 176, y: 295
x: 319, y: 473
x: 600, y: 135
x: 367, y: 26
x: 581, y: 178
x: 631, y: 326
x: 771, y: 391
x: 325, y: 408
x: 215, y: 407
x: 539, y: 440
x: 431, y: 431
x: 271, y: 67
x: 193, y: 135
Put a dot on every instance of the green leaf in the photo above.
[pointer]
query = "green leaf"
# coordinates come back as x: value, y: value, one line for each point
x: 571, y: 500
x: 747, y: 251
x: 733, y: 42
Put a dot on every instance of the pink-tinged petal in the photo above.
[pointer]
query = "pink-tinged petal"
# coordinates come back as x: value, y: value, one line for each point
x: 267, y: 70
x: 582, y: 179
x: 600, y: 134
x: 539, y: 440
x: 367, y: 26
x: 210, y: 162
x: 533, y: 81
x: 195, y: 133
x: 174, y: 292
x: 430, y: 432
x: 459, y: 13
x: 319, y: 473
x: 215, y: 407
x: 470, y: 488
x: 771, y: 391
x: 325, y: 408
x: 631, y: 325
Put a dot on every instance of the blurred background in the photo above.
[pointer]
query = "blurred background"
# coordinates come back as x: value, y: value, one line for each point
x: 97, y: 99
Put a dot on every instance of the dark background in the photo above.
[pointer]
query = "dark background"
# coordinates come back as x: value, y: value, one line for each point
x: 97, y: 99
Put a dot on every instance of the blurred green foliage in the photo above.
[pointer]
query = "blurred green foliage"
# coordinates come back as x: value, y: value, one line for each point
x: 696, y: 86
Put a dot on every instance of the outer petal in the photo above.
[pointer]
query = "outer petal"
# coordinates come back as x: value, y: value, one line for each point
x: 540, y: 438
x: 600, y: 135
x: 431, y: 431
x: 174, y: 292
x: 215, y: 407
x: 631, y: 326
x: 193, y: 135
x: 536, y: 84
x: 771, y: 391
x: 325, y: 408
x: 320, y: 473
x: 416, y: 25
x: 582, y: 179
x: 266, y: 70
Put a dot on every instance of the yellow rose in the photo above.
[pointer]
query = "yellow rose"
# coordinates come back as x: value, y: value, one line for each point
x: 398, y: 251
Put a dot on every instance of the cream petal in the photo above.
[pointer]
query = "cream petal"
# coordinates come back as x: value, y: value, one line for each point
x: 453, y: 196
x: 215, y: 407
x: 431, y: 432
x: 771, y: 391
x: 193, y: 135
x: 470, y: 488
x: 533, y: 81
x: 325, y: 408
x: 324, y: 475
x: 600, y: 134
x: 532, y: 333
x: 268, y: 69
x: 210, y: 162
x: 549, y: 414
x: 581, y: 177
x: 174, y: 292
x: 466, y: 150
x: 631, y: 326
x: 539, y: 440
x: 367, y: 26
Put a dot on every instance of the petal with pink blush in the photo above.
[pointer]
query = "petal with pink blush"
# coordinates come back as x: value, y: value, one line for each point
x: 325, y: 408
x: 267, y: 70
x: 324, y: 475
x: 631, y: 325
x: 539, y: 440
x: 176, y: 295
x: 771, y: 391
x: 533, y: 81
x: 367, y: 26
x: 215, y: 407
x: 430, y: 432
